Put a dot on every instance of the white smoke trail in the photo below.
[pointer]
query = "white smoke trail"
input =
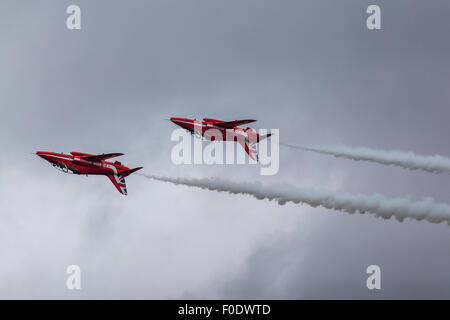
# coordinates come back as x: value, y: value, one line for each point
x: 405, y: 159
x: 376, y: 204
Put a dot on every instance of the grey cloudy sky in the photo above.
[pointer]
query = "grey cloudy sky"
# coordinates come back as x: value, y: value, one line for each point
x: 310, y: 68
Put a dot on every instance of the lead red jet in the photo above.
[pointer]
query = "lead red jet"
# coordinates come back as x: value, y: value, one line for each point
x: 85, y: 163
x: 230, y: 131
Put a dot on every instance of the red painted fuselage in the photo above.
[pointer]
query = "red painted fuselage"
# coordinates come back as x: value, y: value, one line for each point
x: 89, y: 164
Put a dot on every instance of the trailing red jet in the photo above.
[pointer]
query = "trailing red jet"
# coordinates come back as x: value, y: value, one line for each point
x: 229, y: 130
x: 85, y: 163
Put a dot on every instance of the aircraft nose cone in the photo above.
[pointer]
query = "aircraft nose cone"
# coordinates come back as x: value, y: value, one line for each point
x: 41, y: 154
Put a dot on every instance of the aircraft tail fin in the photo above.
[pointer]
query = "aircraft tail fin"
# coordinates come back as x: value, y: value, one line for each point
x: 252, y: 152
x: 263, y: 136
x: 251, y: 149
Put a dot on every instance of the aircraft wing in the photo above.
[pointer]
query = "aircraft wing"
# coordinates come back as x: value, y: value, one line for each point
x: 232, y: 124
x: 119, y: 183
x: 100, y: 157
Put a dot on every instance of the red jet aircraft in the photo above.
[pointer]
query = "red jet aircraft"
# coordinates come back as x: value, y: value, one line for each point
x: 229, y: 130
x: 84, y: 163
